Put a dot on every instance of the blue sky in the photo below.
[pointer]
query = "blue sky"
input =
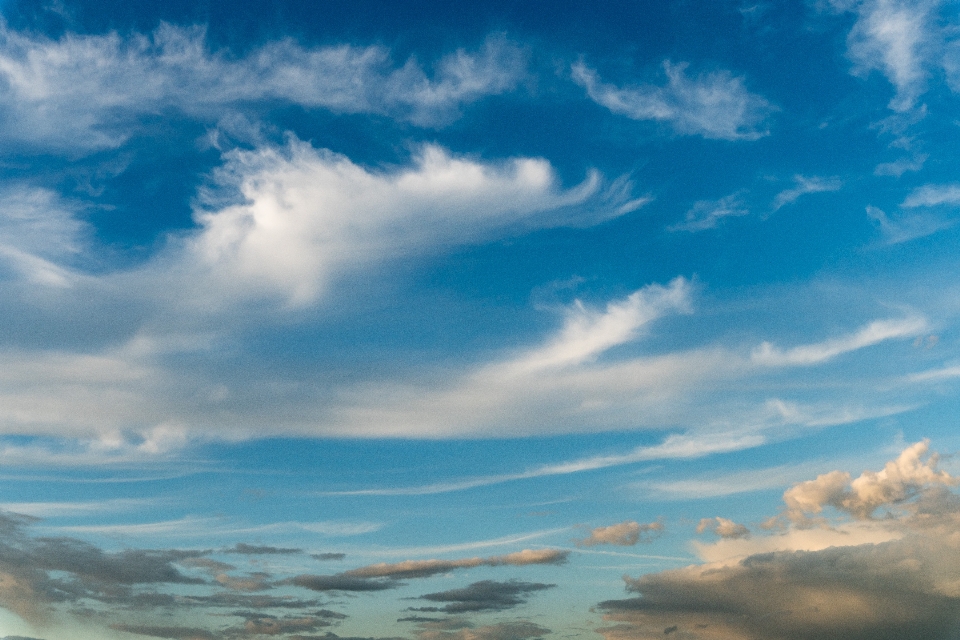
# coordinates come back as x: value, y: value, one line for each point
x: 498, y: 321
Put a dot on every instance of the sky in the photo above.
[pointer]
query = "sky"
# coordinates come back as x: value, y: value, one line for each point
x: 479, y: 321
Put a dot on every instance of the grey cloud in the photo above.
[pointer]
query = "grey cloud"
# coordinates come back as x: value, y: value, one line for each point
x: 273, y: 626
x: 425, y: 568
x: 517, y: 630
x: 249, y: 549
x: 341, y: 582
x: 866, y: 592
x: 328, y: 556
x: 714, y: 105
x: 486, y: 595
x: 904, y: 588
x: 173, y: 633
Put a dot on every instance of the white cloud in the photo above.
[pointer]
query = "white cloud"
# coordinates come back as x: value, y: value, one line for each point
x: 898, y: 39
x: 714, y: 105
x: 308, y: 215
x: 810, y: 354
x: 706, y: 214
x: 804, y: 186
x: 906, y: 228
x: 85, y: 91
x: 933, y: 195
x: 901, y: 166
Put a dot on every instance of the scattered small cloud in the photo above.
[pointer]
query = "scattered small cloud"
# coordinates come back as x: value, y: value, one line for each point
x: 901, y: 166
x: 707, y: 214
x: 250, y: 549
x: 803, y: 186
x: 723, y: 527
x: 625, y: 534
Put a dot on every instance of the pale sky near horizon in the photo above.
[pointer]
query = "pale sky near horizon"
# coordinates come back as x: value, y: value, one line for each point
x: 491, y: 321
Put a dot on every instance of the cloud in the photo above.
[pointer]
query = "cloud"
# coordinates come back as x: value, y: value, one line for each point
x: 933, y: 195
x: 899, y: 39
x: 306, y: 215
x: 906, y: 228
x: 723, y: 527
x: 561, y: 382
x: 174, y: 633
x: 714, y: 105
x: 706, y: 214
x: 811, y: 354
x: 625, y: 534
x: 249, y: 549
x: 804, y: 186
x: 87, y: 91
x: 486, y: 595
x: 901, y: 166
x: 328, y: 556
x: 517, y: 630
x: 425, y: 568
x: 341, y: 582
x: 897, y: 482
x: 839, y: 584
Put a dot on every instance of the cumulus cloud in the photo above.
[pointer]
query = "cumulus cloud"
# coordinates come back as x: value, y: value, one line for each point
x: 308, y: 215
x: 899, y: 481
x: 707, y: 214
x: 625, y: 534
x: 486, y: 595
x: 723, y: 527
x: 86, y: 91
x: 424, y: 568
x: 714, y: 105
x: 803, y: 186
x: 838, y: 583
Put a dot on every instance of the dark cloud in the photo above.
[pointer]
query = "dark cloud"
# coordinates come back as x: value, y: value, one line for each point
x: 173, y: 633
x: 486, y: 595
x: 328, y: 556
x: 341, y: 582
x: 516, y: 630
x: 864, y: 592
x: 273, y: 626
x: 426, y: 568
x: 249, y: 549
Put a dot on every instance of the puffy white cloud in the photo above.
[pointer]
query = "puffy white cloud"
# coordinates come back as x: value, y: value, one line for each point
x: 308, y: 215
x: 624, y: 534
x: 714, y: 105
x: 86, y: 91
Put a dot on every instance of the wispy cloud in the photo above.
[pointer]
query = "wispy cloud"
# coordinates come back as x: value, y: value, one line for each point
x: 806, y: 355
x: 86, y: 91
x: 905, y: 228
x: 899, y: 39
x: 803, y: 186
x: 714, y: 105
x: 707, y: 214
x: 932, y: 195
